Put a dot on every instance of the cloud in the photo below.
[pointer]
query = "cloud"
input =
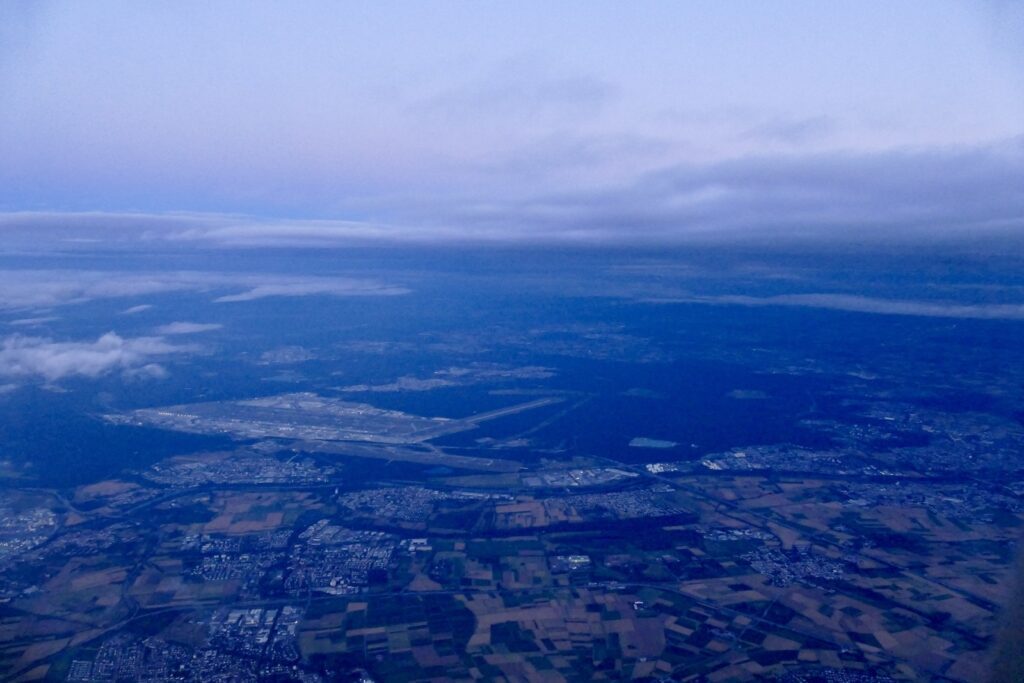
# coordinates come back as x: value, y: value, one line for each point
x: 132, y: 310
x: 792, y: 131
x: 38, y: 357
x: 33, y: 322
x: 336, y: 287
x: 863, y: 304
x: 927, y: 196
x: 31, y: 289
x: 147, y: 371
x: 49, y: 288
x: 519, y: 90
x: 970, y: 195
x: 389, y: 118
x: 181, y: 327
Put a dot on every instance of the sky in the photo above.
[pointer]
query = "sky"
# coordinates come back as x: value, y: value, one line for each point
x: 582, y: 122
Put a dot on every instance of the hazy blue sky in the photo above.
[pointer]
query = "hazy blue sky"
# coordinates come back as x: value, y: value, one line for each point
x: 516, y: 120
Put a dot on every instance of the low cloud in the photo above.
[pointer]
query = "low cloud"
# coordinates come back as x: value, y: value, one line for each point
x: 971, y: 196
x: 330, y: 287
x: 33, y: 322
x: 24, y: 357
x: 919, y: 197
x: 36, y: 289
x: 45, y: 289
x: 863, y: 304
x: 181, y: 327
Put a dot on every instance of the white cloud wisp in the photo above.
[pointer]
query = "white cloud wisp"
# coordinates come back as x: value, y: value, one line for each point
x: 183, y: 327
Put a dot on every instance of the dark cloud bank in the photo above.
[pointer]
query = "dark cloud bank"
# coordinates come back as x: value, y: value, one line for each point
x: 956, y: 196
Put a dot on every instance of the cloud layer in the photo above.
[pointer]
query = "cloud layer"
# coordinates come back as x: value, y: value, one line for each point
x: 965, y: 195
x: 924, y: 195
x: 334, y: 287
x: 24, y: 357
x: 322, y: 112
x: 863, y: 304
x: 182, y: 327
x: 44, y: 289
